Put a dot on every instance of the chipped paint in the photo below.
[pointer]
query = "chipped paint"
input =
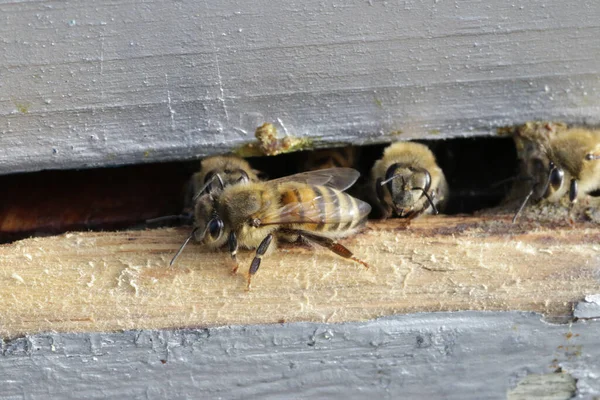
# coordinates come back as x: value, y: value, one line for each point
x: 588, y: 308
x: 462, y: 355
x: 555, y: 386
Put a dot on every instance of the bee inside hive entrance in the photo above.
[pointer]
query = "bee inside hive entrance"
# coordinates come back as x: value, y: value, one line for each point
x: 53, y: 202
x: 478, y: 170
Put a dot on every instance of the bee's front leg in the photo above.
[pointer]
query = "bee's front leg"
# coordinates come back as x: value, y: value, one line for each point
x: 233, y: 248
x: 262, y: 249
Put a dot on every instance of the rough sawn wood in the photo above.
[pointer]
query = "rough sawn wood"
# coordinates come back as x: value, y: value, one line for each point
x: 121, y: 280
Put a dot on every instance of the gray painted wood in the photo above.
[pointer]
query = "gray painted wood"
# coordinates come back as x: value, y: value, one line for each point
x: 88, y: 83
x: 588, y: 308
x: 463, y: 355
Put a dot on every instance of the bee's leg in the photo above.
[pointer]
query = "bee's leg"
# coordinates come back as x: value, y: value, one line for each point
x: 332, y: 245
x: 430, y: 203
x: 262, y: 249
x: 413, y: 214
x: 233, y: 248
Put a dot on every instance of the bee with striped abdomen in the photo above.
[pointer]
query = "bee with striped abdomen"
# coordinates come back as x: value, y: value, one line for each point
x: 310, y: 206
x: 408, y: 182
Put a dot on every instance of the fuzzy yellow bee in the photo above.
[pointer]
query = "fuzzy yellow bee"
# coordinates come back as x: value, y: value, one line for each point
x: 220, y: 171
x: 408, y: 182
x: 310, y: 206
x: 558, y: 160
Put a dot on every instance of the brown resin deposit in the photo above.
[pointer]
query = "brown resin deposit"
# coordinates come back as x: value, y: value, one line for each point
x: 104, y: 281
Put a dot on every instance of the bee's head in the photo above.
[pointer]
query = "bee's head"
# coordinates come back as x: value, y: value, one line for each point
x: 546, y: 177
x: 406, y: 185
x: 216, y: 180
x: 209, y: 226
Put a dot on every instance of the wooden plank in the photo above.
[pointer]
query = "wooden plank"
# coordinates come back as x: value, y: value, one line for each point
x: 107, y: 82
x: 454, y: 356
x: 121, y: 280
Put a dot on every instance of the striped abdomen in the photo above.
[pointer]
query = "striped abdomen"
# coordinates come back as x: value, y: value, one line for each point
x: 322, y: 209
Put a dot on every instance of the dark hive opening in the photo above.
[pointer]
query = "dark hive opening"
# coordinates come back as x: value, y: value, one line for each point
x: 52, y: 202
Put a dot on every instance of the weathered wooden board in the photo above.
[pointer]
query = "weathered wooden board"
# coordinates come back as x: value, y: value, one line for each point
x: 465, y: 355
x: 88, y: 83
x: 108, y: 281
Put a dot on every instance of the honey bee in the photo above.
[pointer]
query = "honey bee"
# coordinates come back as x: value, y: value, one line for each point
x: 344, y: 157
x: 551, y: 154
x: 309, y: 206
x: 217, y: 172
x: 408, y: 182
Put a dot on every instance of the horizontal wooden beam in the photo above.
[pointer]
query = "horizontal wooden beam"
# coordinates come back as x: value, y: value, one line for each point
x: 105, y: 82
x: 458, y: 356
x: 121, y: 280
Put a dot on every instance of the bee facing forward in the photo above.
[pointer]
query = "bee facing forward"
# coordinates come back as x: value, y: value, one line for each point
x: 220, y: 171
x: 408, y: 182
x: 552, y: 155
x: 309, y: 206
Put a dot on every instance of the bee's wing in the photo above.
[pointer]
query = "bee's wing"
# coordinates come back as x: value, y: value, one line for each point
x: 337, y: 178
x: 324, y: 209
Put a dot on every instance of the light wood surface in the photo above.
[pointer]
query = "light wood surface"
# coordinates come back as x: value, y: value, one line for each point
x: 121, y: 280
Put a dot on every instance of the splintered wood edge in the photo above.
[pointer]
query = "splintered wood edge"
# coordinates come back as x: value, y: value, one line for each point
x: 107, y: 281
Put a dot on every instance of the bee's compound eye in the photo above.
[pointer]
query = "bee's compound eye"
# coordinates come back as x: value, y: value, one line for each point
x: 556, y: 177
x: 215, y: 228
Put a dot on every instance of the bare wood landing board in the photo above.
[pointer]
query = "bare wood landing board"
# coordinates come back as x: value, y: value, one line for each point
x: 121, y: 280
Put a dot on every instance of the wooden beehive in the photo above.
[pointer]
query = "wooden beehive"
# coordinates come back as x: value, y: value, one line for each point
x: 468, y: 306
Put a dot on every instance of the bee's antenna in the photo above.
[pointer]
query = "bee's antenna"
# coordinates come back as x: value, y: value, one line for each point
x: 552, y: 168
x: 523, y: 203
x: 389, y: 174
x: 435, y: 210
x: 207, y: 184
x: 390, y: 179
x: 243, y: 176
x: 427, y: 184
x: 183, y: 246
x: 186, y: 217
x: 511, y: 179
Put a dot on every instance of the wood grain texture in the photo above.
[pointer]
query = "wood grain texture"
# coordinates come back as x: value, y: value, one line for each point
x: 454, y: 356
x: 121, y: 280
x: 89, y: 83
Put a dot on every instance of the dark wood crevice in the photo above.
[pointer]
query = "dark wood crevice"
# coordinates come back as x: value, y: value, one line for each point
x: 52, y: 202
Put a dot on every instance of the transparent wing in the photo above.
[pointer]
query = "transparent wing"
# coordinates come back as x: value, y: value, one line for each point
x: 327, y: 209
x: 337, y: 178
